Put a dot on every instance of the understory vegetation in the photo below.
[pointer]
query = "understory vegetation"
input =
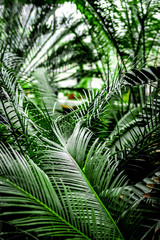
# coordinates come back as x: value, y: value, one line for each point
x: 88, y: 169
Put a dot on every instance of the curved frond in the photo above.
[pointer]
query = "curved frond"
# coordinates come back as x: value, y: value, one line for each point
x: 72, y: 205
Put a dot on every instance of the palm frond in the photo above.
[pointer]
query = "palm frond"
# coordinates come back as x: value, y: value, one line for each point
x: 76, y: 201
x: 24, y: 184
x: 99, y: 171
x: 23, y: 120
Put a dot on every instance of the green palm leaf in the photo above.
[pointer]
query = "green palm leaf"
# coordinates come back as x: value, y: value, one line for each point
x: 53, y: 200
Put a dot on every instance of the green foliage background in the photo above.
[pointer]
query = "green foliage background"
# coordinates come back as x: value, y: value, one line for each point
x: 91, y: 171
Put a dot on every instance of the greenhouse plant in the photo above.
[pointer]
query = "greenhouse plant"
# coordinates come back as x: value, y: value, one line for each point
x: 92, y: 172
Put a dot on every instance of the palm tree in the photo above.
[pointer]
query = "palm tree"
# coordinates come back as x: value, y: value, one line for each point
x: 59, y: 181
x: 127, y: 28
x: 91, y: 174
x: 41, y: 39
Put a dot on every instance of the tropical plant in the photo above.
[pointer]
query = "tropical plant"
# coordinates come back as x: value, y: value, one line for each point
x: 62, y: 182
x: 44, y: 40
x: 127, y: 28
x: 90, y: 174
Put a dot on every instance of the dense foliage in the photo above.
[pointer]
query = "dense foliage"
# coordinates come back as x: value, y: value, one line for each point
x: 94, y: 172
